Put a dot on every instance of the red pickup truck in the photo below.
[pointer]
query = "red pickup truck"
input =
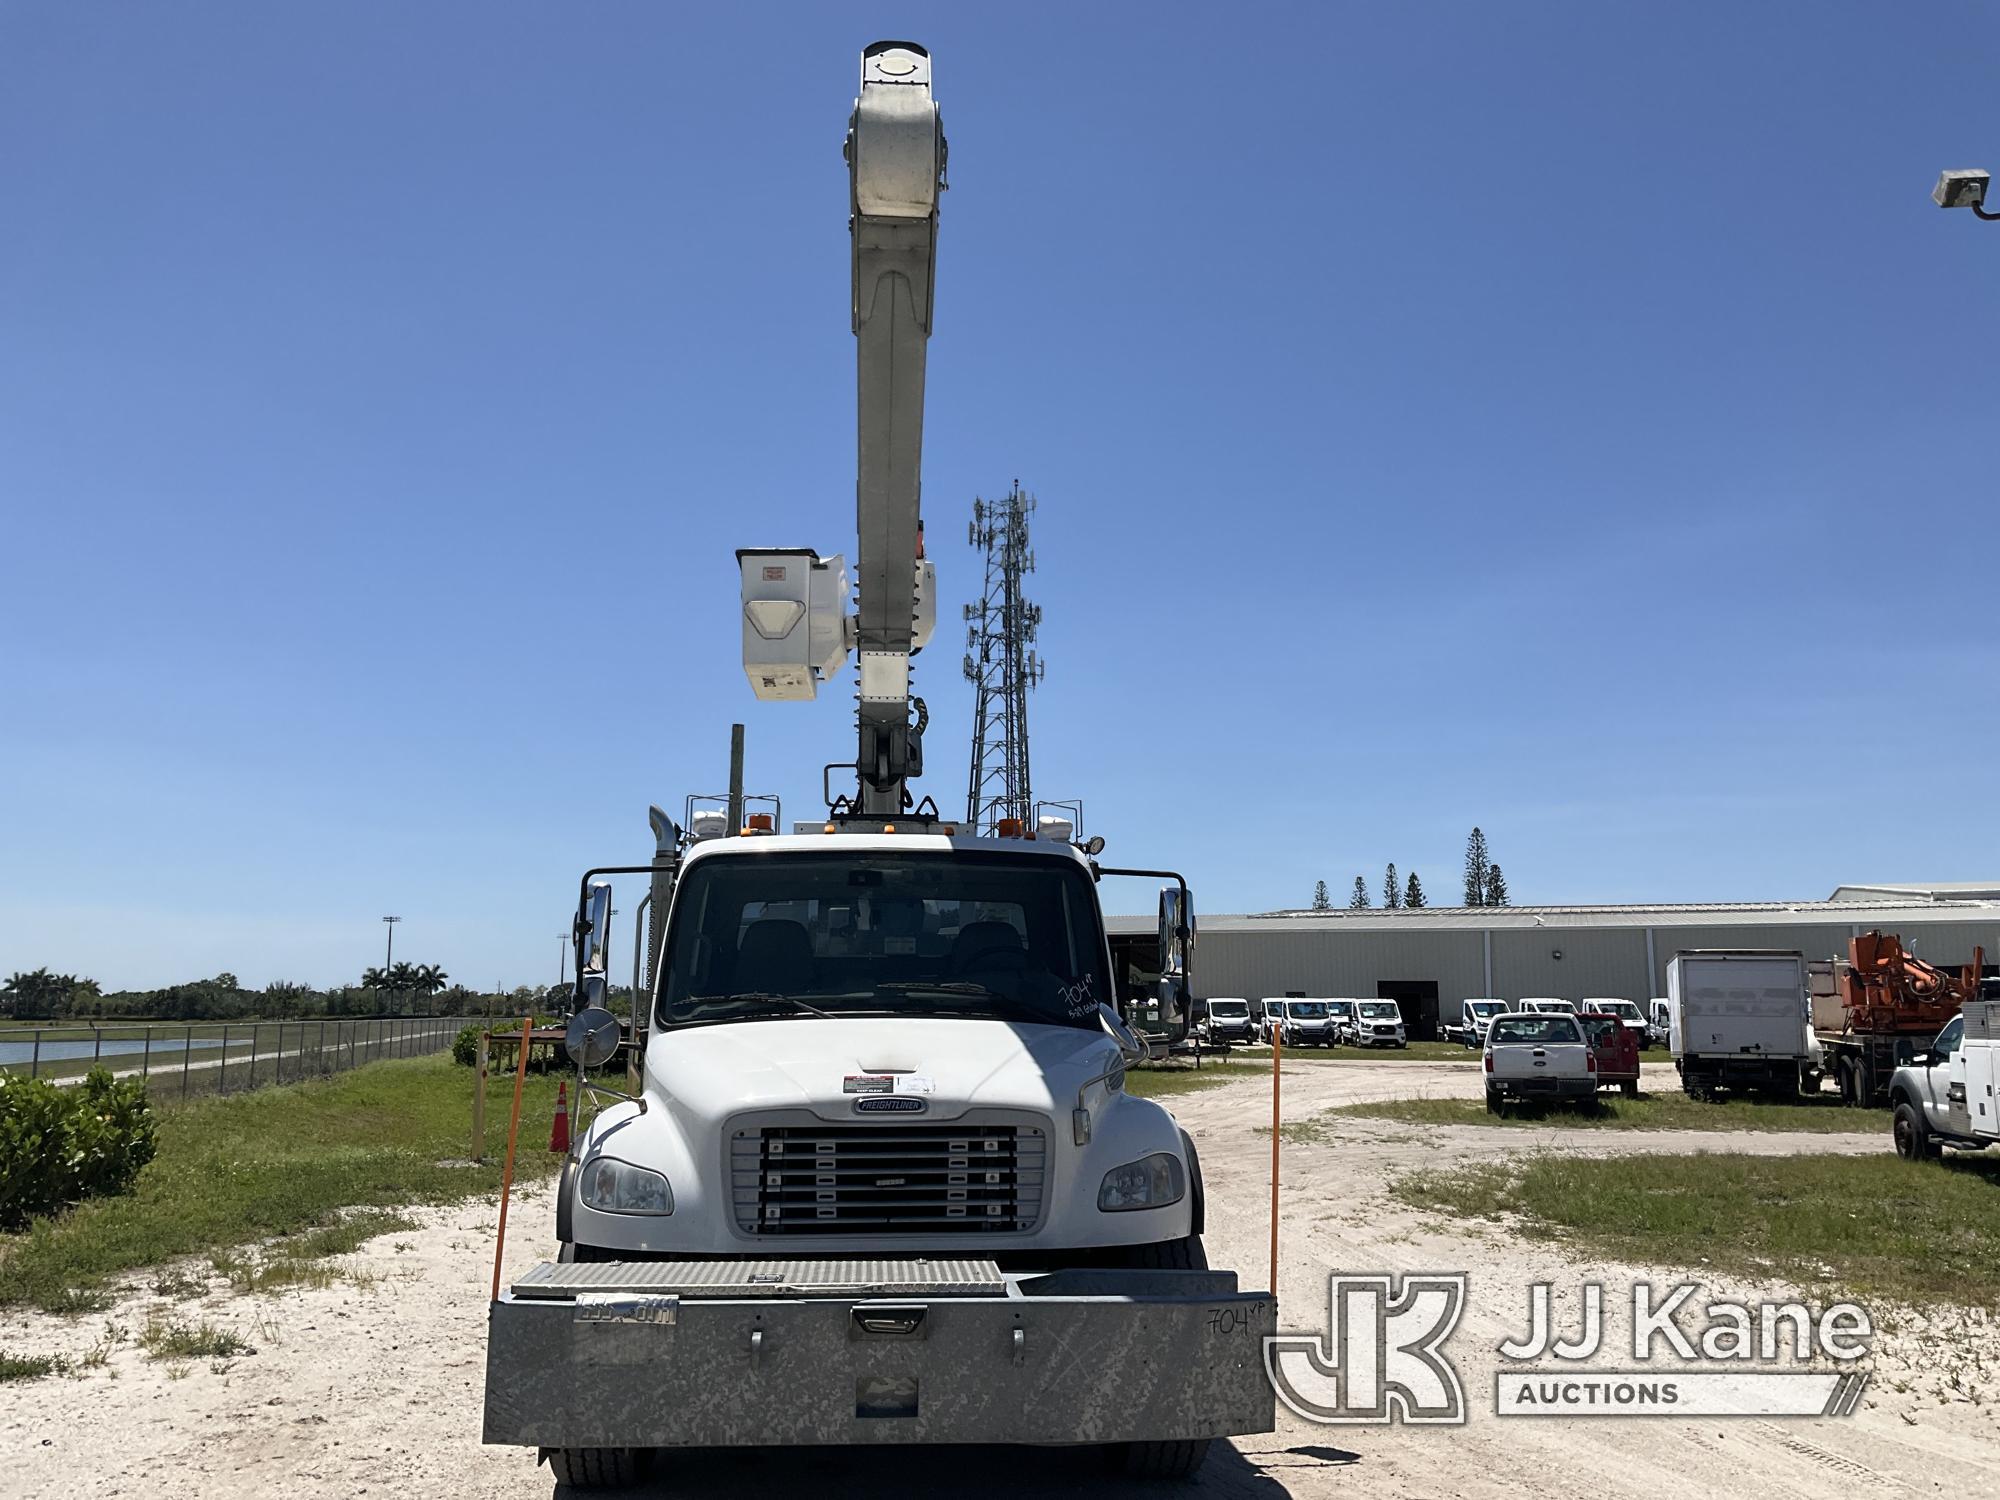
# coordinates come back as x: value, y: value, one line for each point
x: 1616, y: 1048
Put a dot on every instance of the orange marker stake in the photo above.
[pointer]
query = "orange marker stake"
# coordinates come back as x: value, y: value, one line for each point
x: 507, y: 1172
x: 1277, y: 1121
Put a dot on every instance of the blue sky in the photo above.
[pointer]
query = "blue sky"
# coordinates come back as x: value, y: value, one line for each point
x: 1567, y: 418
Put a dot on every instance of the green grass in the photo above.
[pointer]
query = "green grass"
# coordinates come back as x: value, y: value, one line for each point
x: 1871, y: 1226
x: 1615, y: 1112
x: 30, y: 1366
x: 168, y: 1337
x: 1160, y: 1083
x: 282, y: 1162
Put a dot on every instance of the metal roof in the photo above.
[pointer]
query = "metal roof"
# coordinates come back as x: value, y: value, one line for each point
x: 1937, y: 890
x: 1503, y: 918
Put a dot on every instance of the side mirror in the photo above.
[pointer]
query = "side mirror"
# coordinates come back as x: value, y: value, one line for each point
x: 1177, y: 937
x: 593, y: 945
x: 592, y: 1037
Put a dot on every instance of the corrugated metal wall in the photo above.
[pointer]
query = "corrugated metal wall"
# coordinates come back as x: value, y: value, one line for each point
x: 1595, y: 960
x: 1256, y: 965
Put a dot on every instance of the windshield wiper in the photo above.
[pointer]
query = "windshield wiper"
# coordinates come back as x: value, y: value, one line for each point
x: 761, y: 997
x: 939, y: 986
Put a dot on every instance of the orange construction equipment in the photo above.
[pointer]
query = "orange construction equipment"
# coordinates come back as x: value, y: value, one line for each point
x: 559, y: 1136
x: 1890, y: 990
x: 1891, y: 1004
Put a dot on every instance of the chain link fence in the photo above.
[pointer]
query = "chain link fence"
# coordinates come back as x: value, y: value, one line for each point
x: 215, y: 1057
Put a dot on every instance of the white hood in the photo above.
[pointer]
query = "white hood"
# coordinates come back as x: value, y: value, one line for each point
x: 958, y: 1062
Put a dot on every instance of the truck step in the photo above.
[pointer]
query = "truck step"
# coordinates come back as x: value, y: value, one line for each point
x: 766, y: 1278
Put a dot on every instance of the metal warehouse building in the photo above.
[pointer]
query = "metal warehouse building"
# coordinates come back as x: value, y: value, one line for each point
x: 1447, y: 954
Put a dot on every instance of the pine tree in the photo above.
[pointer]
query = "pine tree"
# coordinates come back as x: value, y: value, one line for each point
x: 1392, y: 892
x: 1496, y: 886
x: 1320, y: 901
x: 1413, y: 893
x: 1477, y: 869
x: 1359, y: 900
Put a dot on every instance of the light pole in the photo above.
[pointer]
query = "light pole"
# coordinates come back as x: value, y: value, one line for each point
x: 1963, y: 190
x: 389, y: 958
x: 562, y: 958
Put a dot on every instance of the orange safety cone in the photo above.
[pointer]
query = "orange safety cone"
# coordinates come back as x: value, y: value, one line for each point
x: 559, y: 1137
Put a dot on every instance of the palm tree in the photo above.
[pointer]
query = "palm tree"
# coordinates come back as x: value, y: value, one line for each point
x: 430, y: 978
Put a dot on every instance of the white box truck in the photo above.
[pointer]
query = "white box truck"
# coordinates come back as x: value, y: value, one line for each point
x: 1738, y: 1019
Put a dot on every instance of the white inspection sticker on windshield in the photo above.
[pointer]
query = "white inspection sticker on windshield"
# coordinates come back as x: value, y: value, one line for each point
x: 915, y: 1083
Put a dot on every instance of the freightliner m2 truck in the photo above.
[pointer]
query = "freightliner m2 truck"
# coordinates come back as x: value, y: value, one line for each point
x: 881, y: 1182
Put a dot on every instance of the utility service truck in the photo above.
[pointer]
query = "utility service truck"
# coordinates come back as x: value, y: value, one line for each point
x: 1945, y: 1097
x: 880, y: 1181
x: 1738, y: 1019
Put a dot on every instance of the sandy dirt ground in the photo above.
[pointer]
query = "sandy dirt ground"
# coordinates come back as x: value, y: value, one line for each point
x: 375, y: 1388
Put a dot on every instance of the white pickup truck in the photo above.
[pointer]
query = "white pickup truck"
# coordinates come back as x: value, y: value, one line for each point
x: 1946, y: 1096
x: 1536, y: 1056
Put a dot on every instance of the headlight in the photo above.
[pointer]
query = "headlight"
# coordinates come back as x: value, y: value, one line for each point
x: 618, y: 1187
x: 1152, y: 1182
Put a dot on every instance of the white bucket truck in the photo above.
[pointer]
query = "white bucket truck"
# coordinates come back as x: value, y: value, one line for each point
x: 881, y: 1182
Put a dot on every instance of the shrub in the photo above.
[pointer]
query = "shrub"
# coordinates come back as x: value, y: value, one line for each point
x: 465, y: 1050
x: 62, y: 1144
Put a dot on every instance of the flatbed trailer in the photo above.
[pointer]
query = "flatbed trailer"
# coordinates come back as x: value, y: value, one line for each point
x: 762, y: 1353
x: 1862, y: 1063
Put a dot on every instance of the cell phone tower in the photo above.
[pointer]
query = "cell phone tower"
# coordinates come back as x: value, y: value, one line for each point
x: 1001, y: 664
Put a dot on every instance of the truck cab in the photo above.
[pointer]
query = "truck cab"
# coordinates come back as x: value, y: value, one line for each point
x: 816, y: 993
x: 1946, y: 1095
x: 881, y: 1181
x: 1629, y: 1016
x: 1473, y: 1017
x: 1546, y: 1005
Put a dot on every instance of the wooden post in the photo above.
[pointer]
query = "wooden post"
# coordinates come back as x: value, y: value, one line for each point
x: 507, y: 1171
x: 479, y: 1103
x: 1277, y: 1126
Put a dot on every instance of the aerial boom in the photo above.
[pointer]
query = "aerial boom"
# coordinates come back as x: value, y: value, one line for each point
x: 796, y: 629
x: 895, y: 157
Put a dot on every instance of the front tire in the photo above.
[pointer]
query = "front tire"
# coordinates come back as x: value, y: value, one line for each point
x: 1180, y: 1460
x: 595, y: 1468
x: 1914, y: 1141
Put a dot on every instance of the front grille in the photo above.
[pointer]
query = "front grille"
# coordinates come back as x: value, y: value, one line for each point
x: 888, y: 1178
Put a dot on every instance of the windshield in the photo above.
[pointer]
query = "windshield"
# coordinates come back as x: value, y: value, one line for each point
x: 1532, y: 1029
x: 1485, y: 1008
x: 1228, y: 1008
x: 1380, y: 1010
x: 961, y: 934
x: 1623, y: 1008
x: 1306, y: 1010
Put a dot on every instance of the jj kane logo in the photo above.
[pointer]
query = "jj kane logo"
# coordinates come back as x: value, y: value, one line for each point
x: 1382, y: 1358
